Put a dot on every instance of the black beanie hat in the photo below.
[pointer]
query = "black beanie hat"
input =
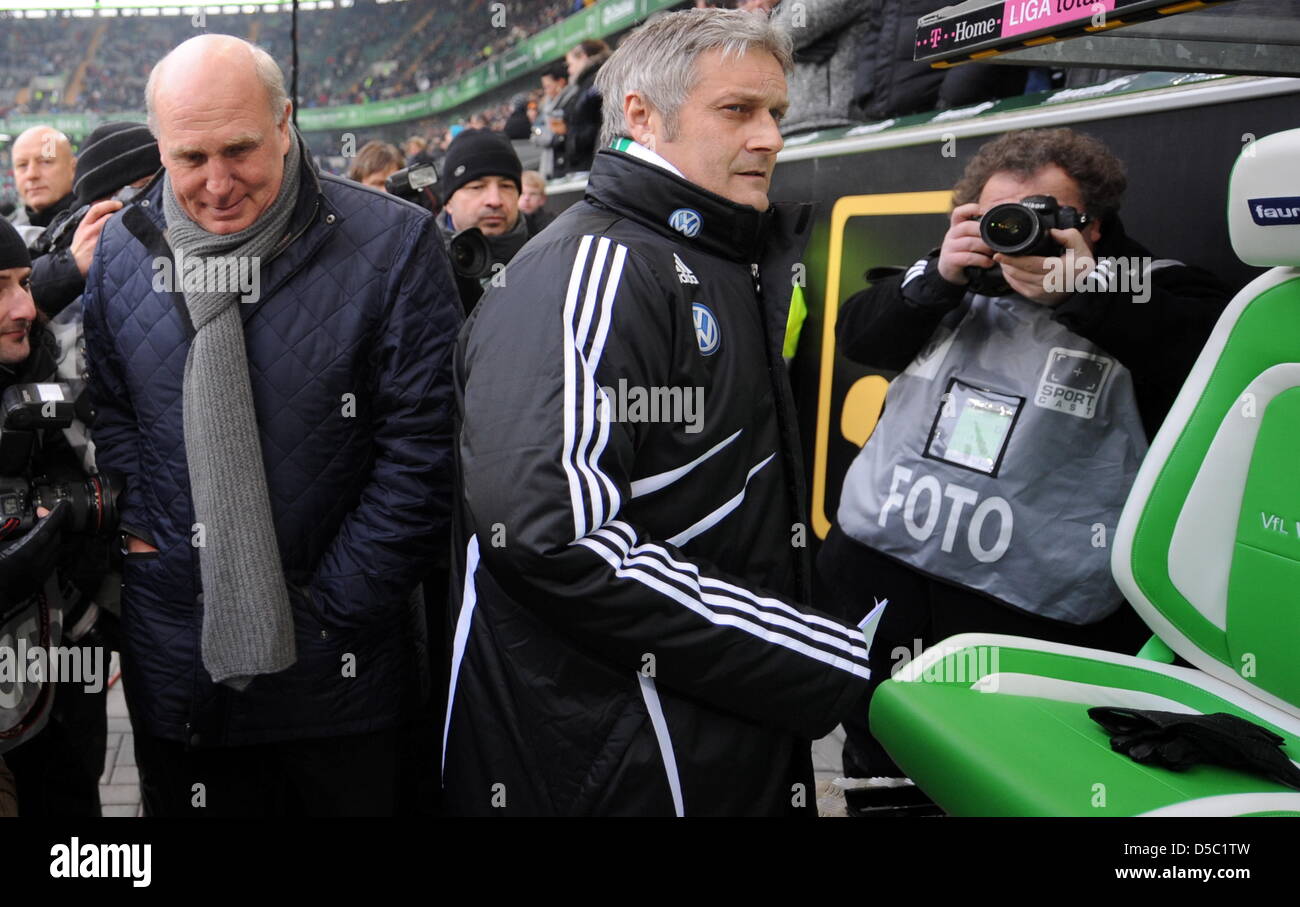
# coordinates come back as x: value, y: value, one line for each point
x: 115, y: 155
x: 477, y: 153
x: 13, y: 251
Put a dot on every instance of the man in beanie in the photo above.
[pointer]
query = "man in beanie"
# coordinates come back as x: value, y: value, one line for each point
x: 270, y: 361
x: 117, y: 159
x: 43, y: 169
x: 57, y: 766
x: 481, y: 182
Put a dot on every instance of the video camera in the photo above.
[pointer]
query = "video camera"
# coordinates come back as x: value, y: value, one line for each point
x: 25, y: 411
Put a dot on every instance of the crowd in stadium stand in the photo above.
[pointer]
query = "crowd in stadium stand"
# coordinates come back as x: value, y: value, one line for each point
x: 366, y: 52
x: 858, y: 70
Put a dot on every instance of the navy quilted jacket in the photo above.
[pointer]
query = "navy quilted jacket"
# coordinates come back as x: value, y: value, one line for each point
x: 349, y: 353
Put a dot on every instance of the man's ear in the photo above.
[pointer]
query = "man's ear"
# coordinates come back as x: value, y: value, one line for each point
x: 286, y: 134
x: 1092, y: 232
x: 639, y: 117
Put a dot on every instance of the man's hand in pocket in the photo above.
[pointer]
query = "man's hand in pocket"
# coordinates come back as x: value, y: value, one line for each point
x: 136, y: 545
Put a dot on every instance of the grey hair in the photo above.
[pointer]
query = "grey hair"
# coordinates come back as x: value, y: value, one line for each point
x: 264, y: 65
x: 659, y: 60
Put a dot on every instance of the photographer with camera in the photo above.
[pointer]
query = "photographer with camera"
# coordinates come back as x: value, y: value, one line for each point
x: 54, y: 521
x: 481, y: 223
x: 1041, y: 348
x: 116, y: 160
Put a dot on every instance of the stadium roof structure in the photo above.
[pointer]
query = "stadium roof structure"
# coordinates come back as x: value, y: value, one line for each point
x: 1247, y: 37
x: 163, y: 7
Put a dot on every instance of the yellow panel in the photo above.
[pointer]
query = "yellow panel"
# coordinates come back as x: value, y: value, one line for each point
x: 934, y: 202
x: 862, y: 406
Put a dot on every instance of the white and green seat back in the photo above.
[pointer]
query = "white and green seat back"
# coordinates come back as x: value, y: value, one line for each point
x: 1208, y: 547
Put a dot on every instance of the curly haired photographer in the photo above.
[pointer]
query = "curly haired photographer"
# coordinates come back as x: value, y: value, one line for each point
x: 1041, y: 348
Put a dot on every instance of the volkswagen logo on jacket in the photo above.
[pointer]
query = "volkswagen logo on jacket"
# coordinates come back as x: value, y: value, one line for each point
x: 686, y: 222
x: 707, y: 332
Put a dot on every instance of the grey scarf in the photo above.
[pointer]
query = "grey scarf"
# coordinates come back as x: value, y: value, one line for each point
x: 247, y: 619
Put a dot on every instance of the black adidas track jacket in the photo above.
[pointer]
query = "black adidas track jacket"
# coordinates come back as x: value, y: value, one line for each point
x: 634, y: 635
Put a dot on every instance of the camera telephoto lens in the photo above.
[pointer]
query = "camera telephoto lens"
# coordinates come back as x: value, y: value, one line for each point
x: 93, y: 508
x: 471, y: 256
x: 1010, y: 228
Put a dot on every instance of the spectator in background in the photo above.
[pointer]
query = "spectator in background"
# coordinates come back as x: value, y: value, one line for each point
x: 533, y: 198
x: 828, y: 37
x: 533, y: 202
x: 555, y: 94
x: 582, y: 112
x: 375, y: 163
x: 115, y: 161
x: 518, y: 126
x: 44, y: 167
x: 413, y: 146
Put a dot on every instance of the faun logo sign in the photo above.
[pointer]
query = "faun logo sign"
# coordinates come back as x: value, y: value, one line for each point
x: 1275, y: 212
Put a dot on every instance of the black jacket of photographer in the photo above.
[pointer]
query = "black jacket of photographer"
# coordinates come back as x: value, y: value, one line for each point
x: 887, y: 324
x: 83, y: 560
x: 56, y: 279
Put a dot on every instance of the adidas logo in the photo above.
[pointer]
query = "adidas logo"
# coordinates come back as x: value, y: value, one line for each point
x: 915, y: 271
x: 684, y: 273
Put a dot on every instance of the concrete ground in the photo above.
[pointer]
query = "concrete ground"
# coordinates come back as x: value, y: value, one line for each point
x: 119, y: 787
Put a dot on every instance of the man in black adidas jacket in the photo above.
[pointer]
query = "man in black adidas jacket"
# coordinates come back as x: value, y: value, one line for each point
x: 634, y: 636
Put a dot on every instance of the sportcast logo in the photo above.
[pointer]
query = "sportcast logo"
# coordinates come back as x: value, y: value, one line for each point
x: 1275, y: 212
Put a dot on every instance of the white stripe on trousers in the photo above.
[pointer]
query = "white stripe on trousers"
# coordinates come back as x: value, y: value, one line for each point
x: 469, y: 600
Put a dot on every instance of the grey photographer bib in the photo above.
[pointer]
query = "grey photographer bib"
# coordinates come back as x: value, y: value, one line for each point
x: 1002, y: 461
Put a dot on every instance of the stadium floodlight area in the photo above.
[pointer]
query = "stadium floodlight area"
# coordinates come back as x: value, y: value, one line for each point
x: 34, y: 9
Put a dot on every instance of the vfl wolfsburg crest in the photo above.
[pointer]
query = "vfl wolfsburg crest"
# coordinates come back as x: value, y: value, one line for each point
x: 707, y: 332
x: 686, y: 222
